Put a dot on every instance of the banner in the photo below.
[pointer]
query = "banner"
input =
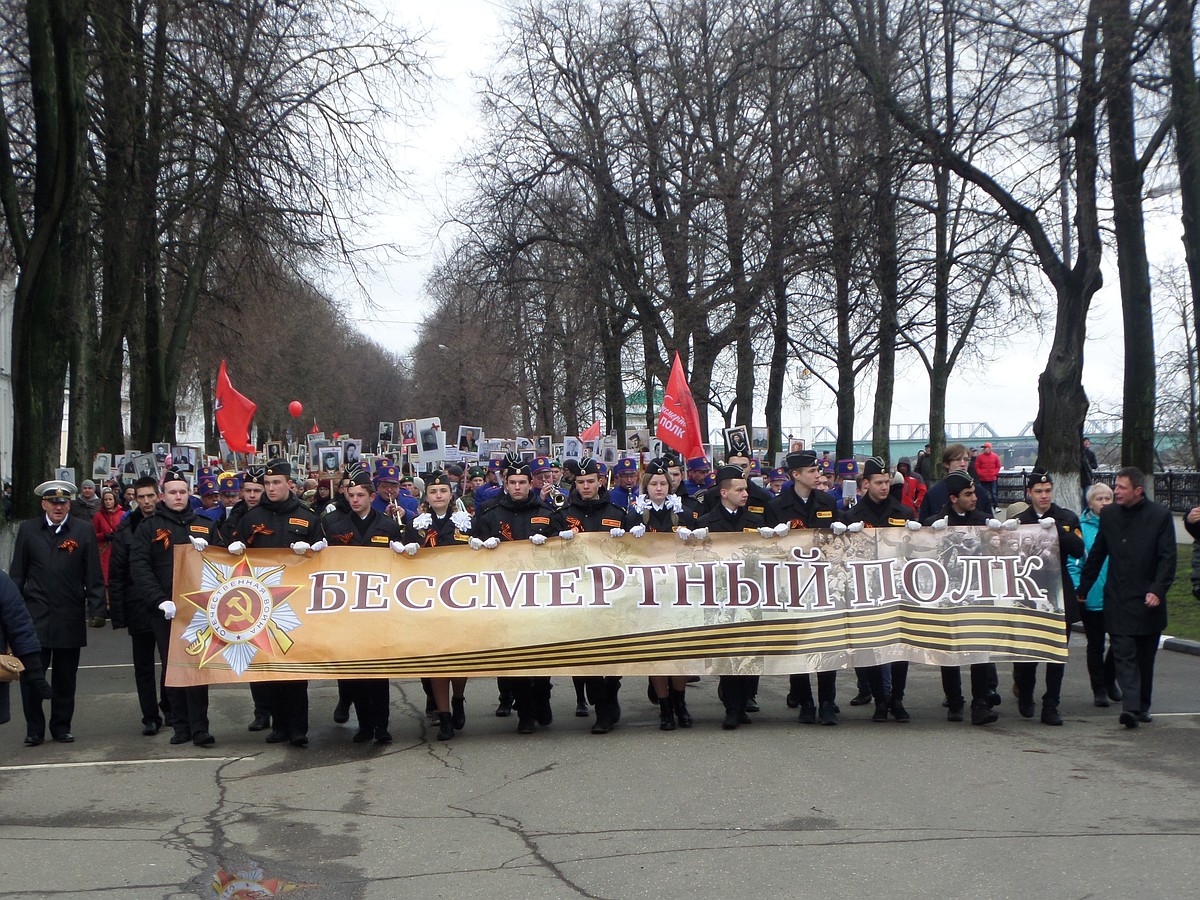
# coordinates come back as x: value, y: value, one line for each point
x: 734, y: 603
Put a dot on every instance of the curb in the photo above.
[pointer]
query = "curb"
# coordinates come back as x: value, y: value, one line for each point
x: 1166, y: 642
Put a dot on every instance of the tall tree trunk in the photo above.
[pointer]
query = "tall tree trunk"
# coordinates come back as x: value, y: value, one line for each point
x: 1137, y: 431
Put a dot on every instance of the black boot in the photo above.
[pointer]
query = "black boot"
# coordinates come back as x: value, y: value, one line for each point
x: 732, y: 719
x: 445, y: 727
x: 954, y: 709
x: 666, y: 715
x: 341, y: 712
x: 679, y: 701
x: 827, y: 714
x: 1050, y: 714
x: 604, y: 719
x: 458, y: 714
x: 982, y: 713
x: 808, y: 714
x: 881, y: 712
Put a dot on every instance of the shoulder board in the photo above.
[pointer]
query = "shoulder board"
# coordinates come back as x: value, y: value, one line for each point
x: 750, y: 530
x: 461, y: 538
x: 540, y: 520
x: 610, y: 523
x: 824, y: 513
x: 757, y: 510
x: 379, y: 539
x: 898, y: 522
x: 200, y: 529
x: 302, y: 522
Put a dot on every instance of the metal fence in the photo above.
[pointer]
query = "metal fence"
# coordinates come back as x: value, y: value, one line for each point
x: 1178, y: 491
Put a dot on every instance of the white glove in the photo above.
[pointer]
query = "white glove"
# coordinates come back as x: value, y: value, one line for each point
x: 301, y: 547
x: 398, y: 546
x: 1047, y: 522
x: 684, y: 533
x: 1012, y: 524
x: 940, y: 524
x: 912, y: 525
x: 854, y: 527
x: 995, y: 524
x: 699, y: 534
x: 168, y: 609
x: 637, y: 530
x: 319, y: 545
x: 782, y: 528
x: 423, y: 521
x: 491, y: 543
x: 411, y: 549
x: 766, y: 532
x: 237, y: 548
x: 473, y: 543
x: 200, y: 544
x: 838, y: 527
x: 567, y: 535
x: 617, y: 532
x: 537, y: 539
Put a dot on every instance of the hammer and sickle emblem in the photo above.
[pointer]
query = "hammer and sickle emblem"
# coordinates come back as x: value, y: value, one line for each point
x: 240, y: 604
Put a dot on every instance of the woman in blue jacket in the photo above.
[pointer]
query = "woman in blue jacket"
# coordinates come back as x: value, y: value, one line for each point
x: 1101, y: 669
x: 17, y: 632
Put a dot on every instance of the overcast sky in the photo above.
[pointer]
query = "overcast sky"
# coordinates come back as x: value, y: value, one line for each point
x: 463, y: 37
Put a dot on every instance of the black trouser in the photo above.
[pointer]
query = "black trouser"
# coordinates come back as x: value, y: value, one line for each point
x: 887, y: 689
x: 982, y: 677
x: 189, y: 709
x: 61, y: 665
x: 801, y: 686
x: 1102, y: 670
x: 151, y: 691
x: 289, y: 707
x: 261, y: 695
x: 504, y: 689
x: 527, y: 693
x: 1134, y: 657
x: 735, y: 690
x: 1025, y: 675
x: 602, y: 688
x: 372, y: 700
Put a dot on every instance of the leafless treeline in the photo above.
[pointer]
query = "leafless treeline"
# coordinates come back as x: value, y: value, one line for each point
x: 787, y: 189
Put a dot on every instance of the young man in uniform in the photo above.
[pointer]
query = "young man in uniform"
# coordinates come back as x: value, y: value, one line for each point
x: 364, y: 526
x: 281, y: 521
x: 589, y: 509
x: 731, y: 516
x: 1039, y: 491
x: 152, y: 569
x: 806, y: 506
x: 516, y: 515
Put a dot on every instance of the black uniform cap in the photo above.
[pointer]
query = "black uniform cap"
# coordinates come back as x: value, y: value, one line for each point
x: 658, y: 466
x: 586, y: 466
x: 957, y: 482
x: 173, y: 475
x: 360, y: 477
x: 279, y: 466
x: 515, y: 465
x: 1038, y: 475
x: 728, y: 473
x: 438, y: 478
x: 873, y: 466
x: 254, y: 475
x: 803, y: 459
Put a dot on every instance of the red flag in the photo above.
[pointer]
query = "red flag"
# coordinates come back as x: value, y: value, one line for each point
x: 679, y: 420
x: 314, y: 429
x: 233, y: 412
x: 592, y: 433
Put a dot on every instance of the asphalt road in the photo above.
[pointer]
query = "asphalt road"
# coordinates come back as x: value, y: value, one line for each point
x: 775, y: 809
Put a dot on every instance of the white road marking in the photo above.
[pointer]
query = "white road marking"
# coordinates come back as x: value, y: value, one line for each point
x: 122, y: 762
x: 112, y: 666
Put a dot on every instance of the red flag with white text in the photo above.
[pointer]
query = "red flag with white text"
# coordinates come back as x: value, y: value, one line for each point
x: 679, y: 420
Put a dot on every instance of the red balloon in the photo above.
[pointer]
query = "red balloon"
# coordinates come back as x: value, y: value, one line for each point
x: 295, y: 408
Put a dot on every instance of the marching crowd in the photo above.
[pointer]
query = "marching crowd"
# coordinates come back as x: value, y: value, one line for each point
x: 95, y: 557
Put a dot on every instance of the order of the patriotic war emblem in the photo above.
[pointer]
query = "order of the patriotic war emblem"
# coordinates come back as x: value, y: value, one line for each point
x: 239, y: 610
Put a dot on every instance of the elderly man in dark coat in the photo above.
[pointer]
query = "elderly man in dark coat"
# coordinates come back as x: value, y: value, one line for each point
x: 1137, y: 537
x: 56, y: 567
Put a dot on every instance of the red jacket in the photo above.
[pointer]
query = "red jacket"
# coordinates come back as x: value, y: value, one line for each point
x: 987, y: 466
x: 914, y: 493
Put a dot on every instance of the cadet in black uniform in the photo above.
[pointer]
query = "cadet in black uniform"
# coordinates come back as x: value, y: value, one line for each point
x: 658, y: 510
x: 152, y: 569
x: 961, y: 509
x: 363, y: 526
x: 438, y: 524
x: 1039, y: 490
x: 731, y: 515
x: 588, y: 509
x: 877, y: 508
x: 280, y: 521
x: 517, y: 516
x: 804, y: 505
